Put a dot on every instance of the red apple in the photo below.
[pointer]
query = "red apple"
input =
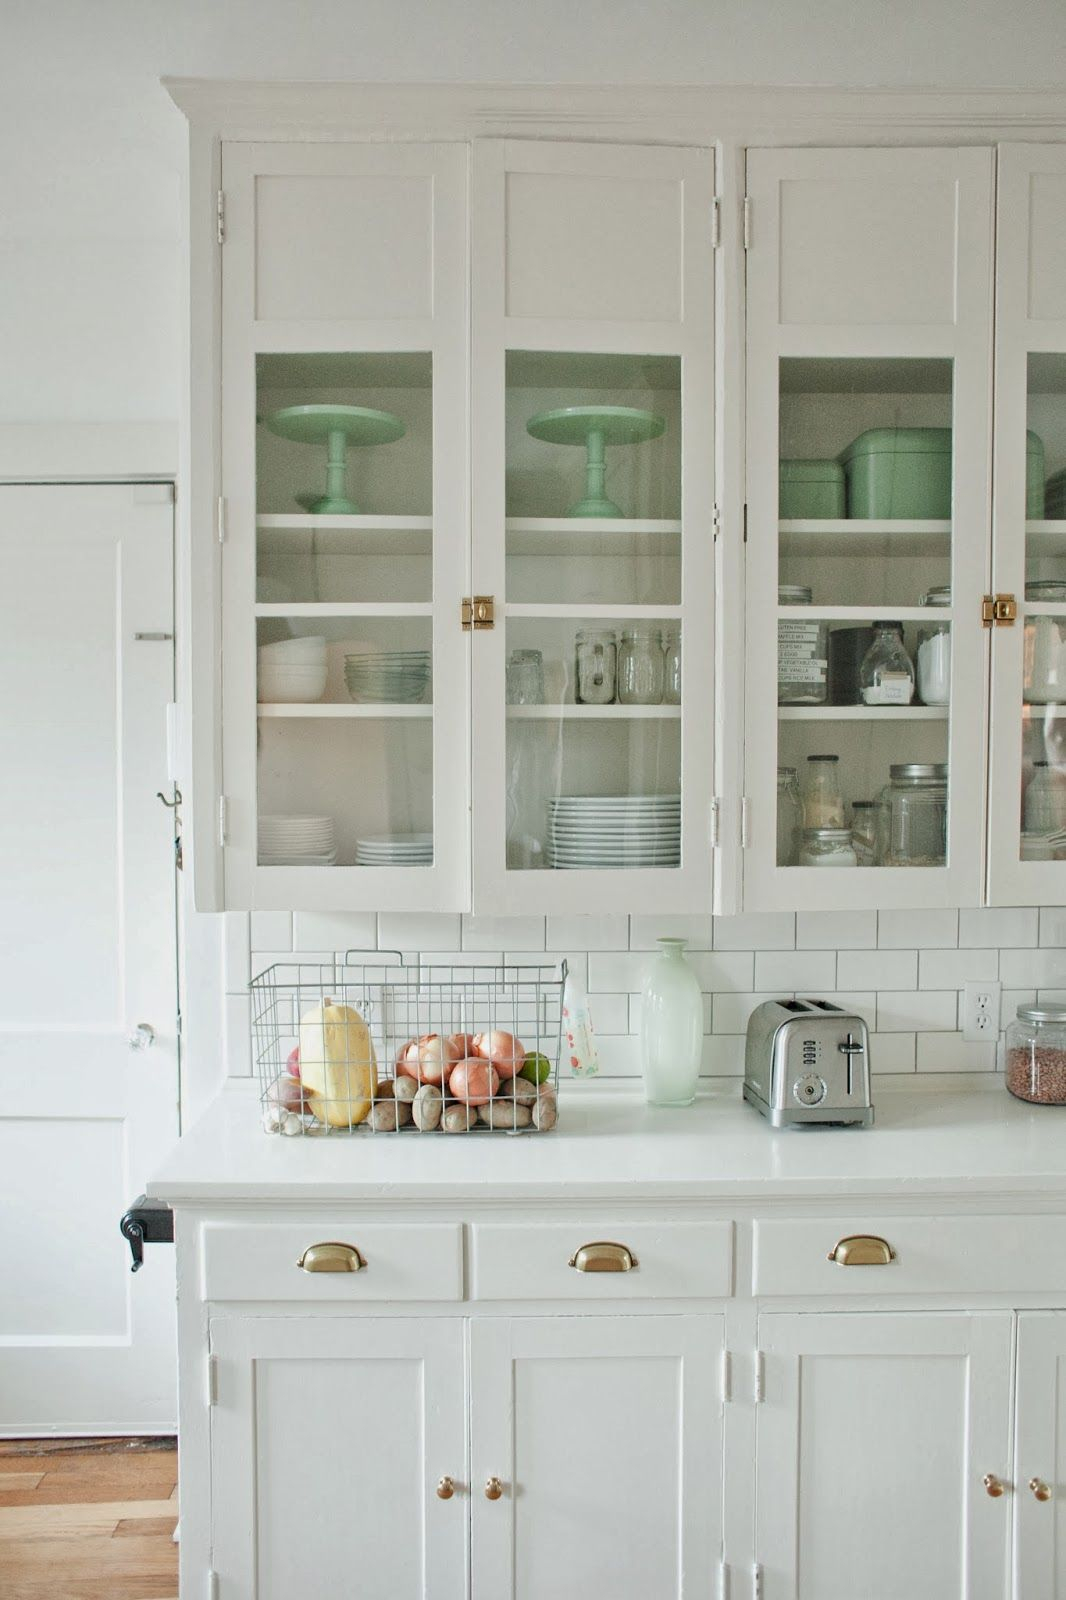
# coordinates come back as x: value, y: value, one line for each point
x: 292, y: 1066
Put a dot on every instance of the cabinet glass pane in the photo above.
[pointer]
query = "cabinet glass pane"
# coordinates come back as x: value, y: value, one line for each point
x: 864, y: 618
x: 344, y: 584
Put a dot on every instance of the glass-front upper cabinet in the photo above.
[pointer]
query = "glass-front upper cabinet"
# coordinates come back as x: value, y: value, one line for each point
x: 1027, y: 828
x: 868, y: 476
x: 344, y: 452
x: 593, y: 527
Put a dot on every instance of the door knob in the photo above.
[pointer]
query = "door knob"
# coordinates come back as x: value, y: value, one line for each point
x: 493, y: 1489
x: 1040, y: 1489
x: 445, y: 1488
x: 993, y: 1486
x: 142, y: 1037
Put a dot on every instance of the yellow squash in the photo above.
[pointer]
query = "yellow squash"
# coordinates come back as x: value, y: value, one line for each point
x: 338, y: 1067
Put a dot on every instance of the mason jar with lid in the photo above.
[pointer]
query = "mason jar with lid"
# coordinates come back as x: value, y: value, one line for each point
x: 933, y: 656
x: 914, y: 820
x: 1036, y: 1055
x: 1044, y: 680
x: 672, y: 667
x: 596, y: 660
x: 823, y: 803
x: 640, y: 667
x: 827, y: 847
x: 789, y: 816
x: 802, y: 652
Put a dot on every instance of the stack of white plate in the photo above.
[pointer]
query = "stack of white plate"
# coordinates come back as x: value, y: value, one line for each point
x: 384, y: 677
x: 298, y: 841
x: 395, y: 850
x: 292, y: 670
x: 624, y: 830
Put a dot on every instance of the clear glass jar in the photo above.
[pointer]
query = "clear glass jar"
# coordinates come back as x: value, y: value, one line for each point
x: 886, y: 677
x: 672, y: 666
x: 823, y: 804
x: 865, y: 831
x: 1044, y: 811
x: 1044, y: 680
x: 596, y: 654
x: 789, y: 816
x: 640, y: 667
x: 827, y: 847
x: 802, y: 652
x: 525, y: 678
x: 915, y: 818
x: 933, y: 656
x: 1036, y: 1055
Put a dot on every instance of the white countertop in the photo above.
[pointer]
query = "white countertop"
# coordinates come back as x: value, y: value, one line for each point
x: 609, y: 1144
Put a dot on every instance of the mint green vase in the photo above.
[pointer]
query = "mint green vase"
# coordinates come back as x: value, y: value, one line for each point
x: 671, y: 1027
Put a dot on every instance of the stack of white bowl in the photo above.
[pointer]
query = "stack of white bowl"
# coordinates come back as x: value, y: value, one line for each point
x: 297, y: 841
x: 292, y: 670
x: 384, y: 677
x: 395, y: 850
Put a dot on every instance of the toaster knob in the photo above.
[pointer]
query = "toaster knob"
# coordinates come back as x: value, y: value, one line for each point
x: 810, y: 1090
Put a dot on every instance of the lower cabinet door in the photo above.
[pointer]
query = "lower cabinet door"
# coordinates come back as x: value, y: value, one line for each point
x: 1040, y: 1457
x: 874, y: 1436
x: 328, y: 1438
x: 596, y: 1457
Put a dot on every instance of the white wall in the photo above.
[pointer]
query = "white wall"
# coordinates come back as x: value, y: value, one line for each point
x: 91, y: 149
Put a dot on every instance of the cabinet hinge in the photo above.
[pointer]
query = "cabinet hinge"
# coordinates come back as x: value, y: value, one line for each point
x: 745, y: 822
x: 223, y: 818
x: 478, y: 612
x: 716, y: 228
x: 715, y: 821
x: 999, y: 611
x: 727, y: 1376
x: 756, y: 1582
x: 212, y: 1585
x: 716, y: 519
x: 746, y: 221
x: 220, y: 519
x: 759, y: 1385
x: 212, y: 1380
x: 220, y: 217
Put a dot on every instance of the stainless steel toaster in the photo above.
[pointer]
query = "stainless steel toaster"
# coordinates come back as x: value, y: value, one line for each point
x: 807, y: 1061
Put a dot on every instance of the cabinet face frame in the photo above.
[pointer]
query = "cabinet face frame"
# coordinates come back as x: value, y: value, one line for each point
x: 966, y: 341
x: 442, y: 333
x: 1040, y: 1433
x: 687, y: 334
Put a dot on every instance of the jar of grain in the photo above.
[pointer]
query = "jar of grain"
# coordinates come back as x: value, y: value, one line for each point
x: 1036, y: 1055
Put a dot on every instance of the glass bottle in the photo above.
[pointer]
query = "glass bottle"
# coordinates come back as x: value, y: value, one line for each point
x: 671, y: 1027
x: 865, y: 831
x: 886, y: 676
x: 525, y: 678
x: 933, y: 656
x: 823, y: 804
x: 915, y: 819
x: 1045, y: 800
x: 596, y: 658
x: 1036, y: 1055
x: 789, y: 816
x: 672, y: 666
x: 802, y: 652
x: 640, y: 667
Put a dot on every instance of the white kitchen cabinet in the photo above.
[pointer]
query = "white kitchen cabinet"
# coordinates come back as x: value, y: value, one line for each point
x: 875, y: 1434
x: 1040, y: 1457
x: 329, y: 1438
x: 605, y: 1434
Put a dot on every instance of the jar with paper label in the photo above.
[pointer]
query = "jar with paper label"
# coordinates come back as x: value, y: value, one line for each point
x: 789, y: 816
x: 802, y: 652
x: 934, y: 652
x: 886, y: 676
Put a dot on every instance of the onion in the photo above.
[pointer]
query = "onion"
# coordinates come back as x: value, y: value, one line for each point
x: 506, y: 1053
x: 461, y: 1046
x: 473, y: 1081
x: 427, y: 1059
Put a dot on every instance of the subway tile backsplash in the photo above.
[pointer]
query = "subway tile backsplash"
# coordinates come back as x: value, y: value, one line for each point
x: 904, y: 971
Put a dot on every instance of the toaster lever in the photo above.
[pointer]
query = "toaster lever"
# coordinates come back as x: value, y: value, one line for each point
x: 850, y: 1048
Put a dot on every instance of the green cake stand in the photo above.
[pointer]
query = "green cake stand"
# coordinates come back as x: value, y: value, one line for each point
x: 336, y: 427
x: 595, y: 427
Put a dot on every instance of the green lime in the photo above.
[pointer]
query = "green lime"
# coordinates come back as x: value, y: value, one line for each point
x: 538, y: 1069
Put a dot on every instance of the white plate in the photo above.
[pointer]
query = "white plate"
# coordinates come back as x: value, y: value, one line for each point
x: 607, y: 850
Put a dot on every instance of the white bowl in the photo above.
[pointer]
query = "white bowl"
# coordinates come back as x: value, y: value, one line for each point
x: 293, y: 652
x: 290, y: 684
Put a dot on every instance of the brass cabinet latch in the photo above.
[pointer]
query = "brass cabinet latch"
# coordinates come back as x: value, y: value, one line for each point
x: 479, y: 611
x: 999, y: 611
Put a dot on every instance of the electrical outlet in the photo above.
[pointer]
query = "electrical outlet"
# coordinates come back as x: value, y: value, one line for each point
x: 980, y: 1011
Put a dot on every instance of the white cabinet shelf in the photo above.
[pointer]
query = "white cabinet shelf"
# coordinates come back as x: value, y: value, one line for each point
x: 862, y: 539
x: 597, y: 613
x: 862, y: 713
x: 347, y: 524
x: 600, y: 713
x: 1045, y: 537
x: 591, y: 536
x: 375, y: 608
x: 327, y: 709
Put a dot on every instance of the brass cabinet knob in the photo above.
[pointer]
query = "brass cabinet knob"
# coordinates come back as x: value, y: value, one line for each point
x: 862, y: 1250
x: 602, y: 1256
x: 493, y: 1489
x: 331, y: 1257
x: 1040, y: 1489
x: 445, y: 1488
x: 993, y: 1486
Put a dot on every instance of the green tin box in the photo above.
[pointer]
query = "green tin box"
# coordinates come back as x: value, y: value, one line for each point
x: 811, y: 489
x: 906, y: 473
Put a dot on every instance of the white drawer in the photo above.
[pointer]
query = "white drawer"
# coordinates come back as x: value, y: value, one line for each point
x: 674, y: 1260
x: 930, y: 1255
x: 259, y: 1261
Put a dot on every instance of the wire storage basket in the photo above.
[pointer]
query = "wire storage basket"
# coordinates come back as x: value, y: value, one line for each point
x: 375, y: 1045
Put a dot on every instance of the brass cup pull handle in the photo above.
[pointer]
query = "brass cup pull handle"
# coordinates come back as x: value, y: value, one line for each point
x: 602, y: 1256
x: 445, y: 1488
x: 331, y: 1256
x: 993, y: 1485
x: 493, y: 1489
x: 1040, y: 1489
x: 862, y: 1250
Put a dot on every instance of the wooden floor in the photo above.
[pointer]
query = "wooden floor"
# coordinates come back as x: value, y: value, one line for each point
x: 88, y: 1519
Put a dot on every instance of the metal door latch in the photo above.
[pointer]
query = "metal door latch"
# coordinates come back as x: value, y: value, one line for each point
x: 478, y: 612
x: 999, y: 611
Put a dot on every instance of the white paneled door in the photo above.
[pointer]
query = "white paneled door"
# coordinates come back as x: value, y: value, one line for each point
x: 1040, y: 1457
x: 87, y: 954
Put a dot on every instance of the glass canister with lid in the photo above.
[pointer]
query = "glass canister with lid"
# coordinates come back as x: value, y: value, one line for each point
x: 866, y: 831
x: 933, y: 656
x: 641, y: 667
x: 596, y: 655
x: 914, y: 816
x: 823, y: 803
x: 1036, y: 1055
x: 672, y: 660
x: 1044, y: 680
x: 789, y: 816
x: 827, y: 847
x: 802, y: 651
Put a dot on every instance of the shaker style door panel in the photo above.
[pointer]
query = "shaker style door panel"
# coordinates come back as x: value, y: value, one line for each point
x: 1040, y: 1457
x: 1027, y: 830
x: 328, y: 1441
x: 606, y: 1437
x: 873, y: 1439
x: 869, y: 342
x: 344, y: 522
x: 592, y: 518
